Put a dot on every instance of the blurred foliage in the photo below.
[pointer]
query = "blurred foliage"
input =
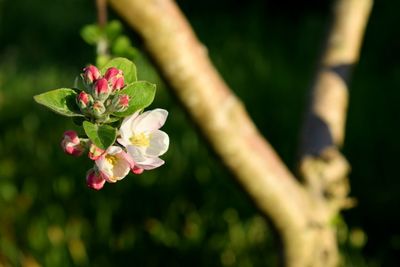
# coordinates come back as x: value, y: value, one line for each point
x: 188, y: 213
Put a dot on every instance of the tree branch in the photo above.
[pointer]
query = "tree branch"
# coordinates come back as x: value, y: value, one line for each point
x: 222, y: 118
x: 302, y: 217
x: 321, y: 164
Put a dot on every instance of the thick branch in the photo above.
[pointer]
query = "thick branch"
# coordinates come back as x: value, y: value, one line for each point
x: 321, y: 164
x: 222, y: 117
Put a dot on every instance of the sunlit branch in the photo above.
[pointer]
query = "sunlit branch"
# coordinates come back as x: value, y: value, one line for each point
x: 321, y: 164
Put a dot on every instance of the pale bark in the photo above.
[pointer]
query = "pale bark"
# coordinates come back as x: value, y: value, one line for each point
x: 225, y: 123
x: 321, y: 164
x: 324, y: 169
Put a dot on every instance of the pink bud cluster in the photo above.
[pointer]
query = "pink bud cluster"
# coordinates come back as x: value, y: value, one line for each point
x: 101, y: 98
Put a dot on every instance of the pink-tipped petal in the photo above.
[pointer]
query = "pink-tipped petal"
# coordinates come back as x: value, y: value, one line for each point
x: 95, y: 152
x: 124, y: 100
x: 111, y: 73
x: 118, y: 84
x: 128, y: 159
x: 115, y: 78
x: 71, y: 144
x: 82, y: 99
x: 101, y: 89
x: 91, y: 74
x: 72, y: 136
x: 137, y: 170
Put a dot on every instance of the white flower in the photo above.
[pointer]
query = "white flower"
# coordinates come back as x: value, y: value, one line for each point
x: 114, y: 164
x: 142, y: 138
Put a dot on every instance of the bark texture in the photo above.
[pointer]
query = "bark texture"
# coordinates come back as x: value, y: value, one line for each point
x: 221, y: 116
x: 322, y: 166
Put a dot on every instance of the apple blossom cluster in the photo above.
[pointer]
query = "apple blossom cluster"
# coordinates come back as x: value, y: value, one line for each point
x: 138, y: 148
x: 120, y: 136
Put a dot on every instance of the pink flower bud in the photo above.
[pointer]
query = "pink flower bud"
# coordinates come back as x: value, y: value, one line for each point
x: 95, y: 152
x: 83, y: 99
x: 115, y: 77
x: 95, y: 179
x: 71, y: 144
x: 137, y: 170
x: 124, y: 100
x: 111, y: 73
x: 119, y: 83
x: 120, y: 103
x: 101, y: 89
x: 90, y: 74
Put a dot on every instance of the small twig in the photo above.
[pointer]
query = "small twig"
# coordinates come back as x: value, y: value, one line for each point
x: 102, y: 44
x: 101, y: 6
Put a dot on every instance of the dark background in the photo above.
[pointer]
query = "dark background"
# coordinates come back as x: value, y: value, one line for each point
x: 189, y: 212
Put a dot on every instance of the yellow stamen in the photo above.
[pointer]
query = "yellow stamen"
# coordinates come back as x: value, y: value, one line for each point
x: 111, y: 159
x: 140, y: 140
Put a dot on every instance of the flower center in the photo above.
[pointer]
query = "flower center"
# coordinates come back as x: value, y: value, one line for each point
x: 111, y: 159
x: 140, y: 140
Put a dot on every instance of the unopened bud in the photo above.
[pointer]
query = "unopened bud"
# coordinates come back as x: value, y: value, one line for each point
x: 95, y: 179
x: 118, y: 84
x: 137, y: 170
x: 95, y: 152
x: 101, y: 89
x: 115, y: 78
x: 83, y: 100
x: 98, y: 109
x: 90, y: 74
x: 71, y: 144
x: 120, y: 103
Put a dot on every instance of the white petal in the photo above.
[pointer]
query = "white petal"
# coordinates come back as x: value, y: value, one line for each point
x: 102, y: 163
x: 136, y: 153
x: 151, y: 163
x: 159, y: 142
x: 113, y: 150
x: 126, y: 129
x: 150, y: 120
x: 124, y: 142
x: 104, y: 166
x: 121, y: 169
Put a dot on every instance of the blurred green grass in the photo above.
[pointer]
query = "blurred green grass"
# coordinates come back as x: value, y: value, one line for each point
x: 188, y: 212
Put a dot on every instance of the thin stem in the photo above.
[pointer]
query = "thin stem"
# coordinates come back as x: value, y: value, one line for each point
x: 102, y: 44
x: 101, y: 13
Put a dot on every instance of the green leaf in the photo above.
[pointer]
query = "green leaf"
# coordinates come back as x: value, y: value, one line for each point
x: 102, y: 136
x: 113, y: 30
x: 112, y: 119
x: 62, y: 101
x: 102, y: 60
x: 127, y: 66
x: 122, y: 46
x: 91, y: 34
x: 141, y: 96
